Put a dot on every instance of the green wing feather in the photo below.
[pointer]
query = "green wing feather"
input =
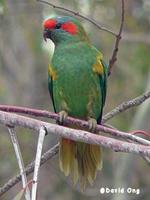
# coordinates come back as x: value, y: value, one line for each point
x: 103, y: 88
x: 50, y: 88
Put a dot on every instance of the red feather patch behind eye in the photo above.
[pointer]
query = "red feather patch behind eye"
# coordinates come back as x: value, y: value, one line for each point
x: 70, y: 27
x: 49, y: 24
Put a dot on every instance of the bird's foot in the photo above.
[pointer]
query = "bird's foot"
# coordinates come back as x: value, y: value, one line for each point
x: 92, y: 124
x: 62, y: 117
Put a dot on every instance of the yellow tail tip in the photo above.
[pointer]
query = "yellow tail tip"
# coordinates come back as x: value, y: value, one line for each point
x: 79, y: 160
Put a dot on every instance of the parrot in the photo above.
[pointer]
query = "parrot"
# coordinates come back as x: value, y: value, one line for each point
x: 77, y: 81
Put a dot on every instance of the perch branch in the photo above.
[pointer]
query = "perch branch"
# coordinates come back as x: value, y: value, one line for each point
x: 43, y: 113
x: 122, y: 107
x: 78, y: 122
x: 77, y: 135
x: 118, y: 38
x: 79, y: 15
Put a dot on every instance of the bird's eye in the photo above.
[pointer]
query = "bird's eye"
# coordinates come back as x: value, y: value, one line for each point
x: 58, y: 26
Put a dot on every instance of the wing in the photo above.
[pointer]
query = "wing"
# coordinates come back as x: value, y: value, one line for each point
x: 103, y: 81
x: 103, y: 87
x: 50, y: 88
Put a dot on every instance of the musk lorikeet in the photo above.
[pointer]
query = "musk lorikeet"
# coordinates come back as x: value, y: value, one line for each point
x: 77, y: 85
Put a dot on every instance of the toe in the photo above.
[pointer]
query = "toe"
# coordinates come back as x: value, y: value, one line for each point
x: 92, y: 124
x: 62, y: 117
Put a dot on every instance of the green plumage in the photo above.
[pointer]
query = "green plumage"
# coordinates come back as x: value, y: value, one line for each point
x: 76, y: 86
x: 80, y: 91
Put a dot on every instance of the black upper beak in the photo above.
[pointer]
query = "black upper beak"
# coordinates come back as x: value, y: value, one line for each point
x: 46, y: 34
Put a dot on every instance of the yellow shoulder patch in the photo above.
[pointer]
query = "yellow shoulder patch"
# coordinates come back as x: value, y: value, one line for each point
x: 52, y: 72
x: 98, y: 67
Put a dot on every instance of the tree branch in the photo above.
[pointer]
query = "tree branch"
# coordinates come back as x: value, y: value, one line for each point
x: 77, y: 135
x: 42, y: 133
x: 43, y: 113
x: 17, y: 150
x: 118, y: 38
x: 126, y: 105
x: 73, y: 121
x: 29, y: 169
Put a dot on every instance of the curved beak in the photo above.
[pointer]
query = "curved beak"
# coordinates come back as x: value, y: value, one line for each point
x: 47, y: 34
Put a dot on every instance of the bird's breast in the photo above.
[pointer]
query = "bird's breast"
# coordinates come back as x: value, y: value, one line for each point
x: 76, y: 86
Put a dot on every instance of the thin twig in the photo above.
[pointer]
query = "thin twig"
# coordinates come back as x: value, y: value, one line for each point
x: 29, y: 169
x: 147, y: 159
x: 20, y: 195
x: 140, y: 132
x: 42, y: 133
x: 118, y: 38
x: 79, y: 15
x: 126, y: 105
x: 20, y: 161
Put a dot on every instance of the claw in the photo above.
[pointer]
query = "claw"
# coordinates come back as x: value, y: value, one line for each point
x: 62, y: 117
x: 92, y: 124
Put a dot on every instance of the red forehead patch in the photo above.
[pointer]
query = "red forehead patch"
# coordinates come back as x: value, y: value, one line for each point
x: 69, y: 27
x: 49, y: 24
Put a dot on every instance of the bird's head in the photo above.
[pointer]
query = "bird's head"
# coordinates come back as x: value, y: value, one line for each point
x: 63, y: 29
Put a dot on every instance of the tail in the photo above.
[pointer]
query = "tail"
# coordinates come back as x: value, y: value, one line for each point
x: 80, y: 160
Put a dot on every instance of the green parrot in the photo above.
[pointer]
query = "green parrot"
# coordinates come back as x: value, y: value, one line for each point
x: 77, y: 85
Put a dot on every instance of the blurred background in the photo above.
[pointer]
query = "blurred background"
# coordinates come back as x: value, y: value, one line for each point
x: 24, y: 59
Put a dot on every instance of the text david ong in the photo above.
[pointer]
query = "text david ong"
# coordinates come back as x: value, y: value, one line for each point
x: 129, y: 190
